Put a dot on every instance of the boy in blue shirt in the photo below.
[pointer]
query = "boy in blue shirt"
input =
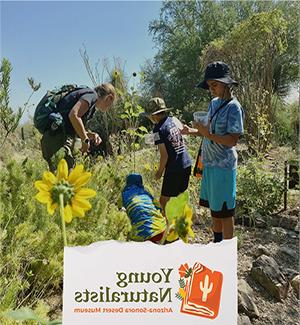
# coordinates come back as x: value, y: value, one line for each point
x: 219, y: 156
x: 175, y: 162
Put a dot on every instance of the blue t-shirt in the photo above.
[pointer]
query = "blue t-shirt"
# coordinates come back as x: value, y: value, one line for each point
x: 228, y: 120
x: 168, y: 133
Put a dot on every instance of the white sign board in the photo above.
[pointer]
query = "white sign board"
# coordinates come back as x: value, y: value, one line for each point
x: 132, y: 283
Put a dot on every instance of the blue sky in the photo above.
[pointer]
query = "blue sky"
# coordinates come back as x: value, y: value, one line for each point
x: 42, y: 40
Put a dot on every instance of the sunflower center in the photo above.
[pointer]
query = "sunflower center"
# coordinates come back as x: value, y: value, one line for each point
x: 62, y: 187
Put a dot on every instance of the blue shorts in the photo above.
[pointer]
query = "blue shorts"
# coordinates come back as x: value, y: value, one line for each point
x: 218, y: 191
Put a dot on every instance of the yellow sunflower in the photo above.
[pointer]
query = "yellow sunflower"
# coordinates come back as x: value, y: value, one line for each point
x: 75, y: 195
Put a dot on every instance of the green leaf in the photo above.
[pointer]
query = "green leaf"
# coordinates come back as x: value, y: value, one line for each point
x: 120, y: 92
x: 143, y: 129
x: 175, y: 206
x: 131, y: 132
x: 127, y: 105
x: 188, y: 273
x: 182, y: 283
x: 178, y: 296
x: 23, y: 314
x: 139, y: 108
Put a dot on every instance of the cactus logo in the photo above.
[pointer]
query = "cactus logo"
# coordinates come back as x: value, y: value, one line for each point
x: 200, y: 290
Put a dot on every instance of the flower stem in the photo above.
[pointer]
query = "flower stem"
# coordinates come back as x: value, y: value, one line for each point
x: 62, y: 215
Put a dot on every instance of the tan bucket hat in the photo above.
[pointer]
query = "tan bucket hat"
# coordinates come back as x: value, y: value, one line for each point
x: 156, y: 105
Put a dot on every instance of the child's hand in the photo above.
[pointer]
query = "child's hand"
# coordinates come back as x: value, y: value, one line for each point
x: 202, y: 129
x: 188, y: 130
x: 185, y: 130
x: 158, y: 174
x: 85, y: 147
x: 94, y: 137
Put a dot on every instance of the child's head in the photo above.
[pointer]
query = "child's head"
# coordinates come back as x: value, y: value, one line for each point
x: 217, y: 79
x: 218, y: 88
x: 156, y: 110
x: 156, y: 118
x: 106, y: 96
x: 134, y: 179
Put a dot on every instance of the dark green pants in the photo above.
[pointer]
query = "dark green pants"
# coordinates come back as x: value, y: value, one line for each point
x: 51, y: 143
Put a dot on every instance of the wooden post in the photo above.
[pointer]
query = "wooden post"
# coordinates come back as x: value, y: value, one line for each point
x: 293, y: 174
x: 22, y: 133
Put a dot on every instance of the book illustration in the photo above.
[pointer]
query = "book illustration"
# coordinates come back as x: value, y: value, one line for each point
x: 200, y: 290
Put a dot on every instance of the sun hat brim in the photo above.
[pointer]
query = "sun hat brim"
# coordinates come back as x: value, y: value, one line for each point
x: 146, y: 114
x: 226, y: 80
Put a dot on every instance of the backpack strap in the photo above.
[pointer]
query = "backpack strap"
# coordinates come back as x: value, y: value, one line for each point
x: 217, y: 112
x: 198, y: 167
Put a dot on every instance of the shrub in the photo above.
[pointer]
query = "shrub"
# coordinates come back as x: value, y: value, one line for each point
x: 259, y: 191
x: 31, y: 249
x: 286, y: 127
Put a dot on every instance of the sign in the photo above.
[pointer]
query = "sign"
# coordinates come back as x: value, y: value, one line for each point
x: 132, y: 283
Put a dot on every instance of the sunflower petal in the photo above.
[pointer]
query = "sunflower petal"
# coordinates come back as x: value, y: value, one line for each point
x: 77, y: 211
x: 85, y: 193
x: 75, y: 174
x: 49, y: 178
x: 62, y: 170
x: 82, y: 203
x: 68, y: 213
x: 43, y: 197
x: 82, y: 180
x: 42, y: 186
x: 51, y: 208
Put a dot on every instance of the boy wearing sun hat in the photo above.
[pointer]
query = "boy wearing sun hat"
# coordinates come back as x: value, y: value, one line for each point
x: 175, y: 162
x: 219, y: 156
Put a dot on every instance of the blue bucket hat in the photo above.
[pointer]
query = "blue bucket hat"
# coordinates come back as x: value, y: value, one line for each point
x: 218, y: 71
x: 134, y: 179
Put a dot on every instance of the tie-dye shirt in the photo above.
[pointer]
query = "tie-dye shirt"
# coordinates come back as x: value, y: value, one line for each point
x: 145, y: 215
x: 228, y: 120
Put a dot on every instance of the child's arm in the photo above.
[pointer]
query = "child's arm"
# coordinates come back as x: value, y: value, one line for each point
x: 163, y: 160
x: 234, y: 128
x: 229, y: 140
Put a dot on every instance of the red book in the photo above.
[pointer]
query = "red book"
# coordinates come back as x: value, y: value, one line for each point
x: 200, y: 290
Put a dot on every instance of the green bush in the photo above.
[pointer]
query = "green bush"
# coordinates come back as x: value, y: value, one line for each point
x: 259, y: 190
x: 286, y: 127
x: 31, y: 246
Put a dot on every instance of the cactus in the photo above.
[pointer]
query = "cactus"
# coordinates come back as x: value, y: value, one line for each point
x: 205, y: 288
